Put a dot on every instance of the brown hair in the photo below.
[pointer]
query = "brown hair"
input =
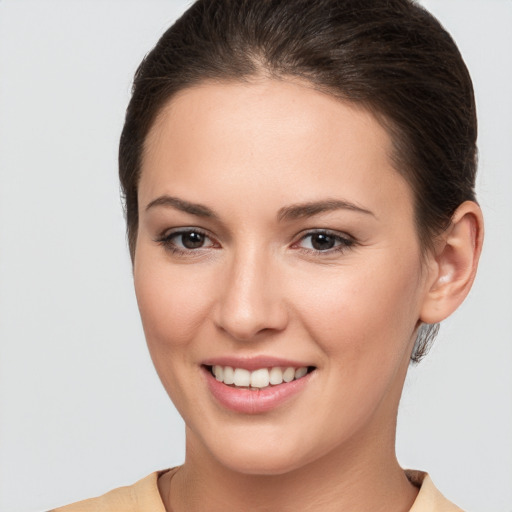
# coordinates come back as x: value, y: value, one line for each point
x: 392, y: 57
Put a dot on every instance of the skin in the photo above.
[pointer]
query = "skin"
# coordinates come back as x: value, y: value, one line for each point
x: 258, y: 287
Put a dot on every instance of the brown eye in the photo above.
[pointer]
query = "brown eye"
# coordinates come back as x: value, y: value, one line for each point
x: 322, y: 241
x: 186, y: 241
x: 191, y: 239
x: 325, y: 242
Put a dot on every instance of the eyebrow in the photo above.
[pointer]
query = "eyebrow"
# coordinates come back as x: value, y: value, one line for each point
x: 291, y: 212
x: 185, y: 206
x: 309, y: 209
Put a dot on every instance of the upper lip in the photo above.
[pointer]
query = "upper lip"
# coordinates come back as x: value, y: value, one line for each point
x: 254, y: 362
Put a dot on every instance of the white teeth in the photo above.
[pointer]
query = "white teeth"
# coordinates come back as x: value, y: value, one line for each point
x: 218, y: 371
x: 289, y: 374
x: 242, y: 378
x: 276, y: 376
x: 258, y: 379
x: 229, y: 375
x: 299, y: 372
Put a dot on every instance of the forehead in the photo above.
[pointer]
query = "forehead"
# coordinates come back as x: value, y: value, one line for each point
x: 277, y: 138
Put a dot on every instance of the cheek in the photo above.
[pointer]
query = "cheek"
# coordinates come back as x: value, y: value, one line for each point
x: 173, y: 304
x: 173, y: 301
x: 363, y: 321
x: 368, y: 310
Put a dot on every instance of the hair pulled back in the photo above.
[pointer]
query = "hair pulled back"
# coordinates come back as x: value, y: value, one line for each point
x: 391, y: 57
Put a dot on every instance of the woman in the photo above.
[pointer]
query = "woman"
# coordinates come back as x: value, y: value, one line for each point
x: 299, y: 186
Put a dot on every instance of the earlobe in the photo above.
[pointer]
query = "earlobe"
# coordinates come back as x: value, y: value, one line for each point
x: 455, y: 263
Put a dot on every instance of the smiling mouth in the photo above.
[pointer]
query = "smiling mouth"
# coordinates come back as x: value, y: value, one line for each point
x: 258, y: 379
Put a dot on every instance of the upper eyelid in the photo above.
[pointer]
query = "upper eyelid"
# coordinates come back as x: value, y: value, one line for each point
x: 331, y: 232
x: 167, y: 233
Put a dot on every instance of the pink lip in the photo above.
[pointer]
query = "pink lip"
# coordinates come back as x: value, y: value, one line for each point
x: 253, y: 363
x: 247, y: 401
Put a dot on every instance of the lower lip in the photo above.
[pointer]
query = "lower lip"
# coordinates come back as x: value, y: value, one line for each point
x: 249, y: 401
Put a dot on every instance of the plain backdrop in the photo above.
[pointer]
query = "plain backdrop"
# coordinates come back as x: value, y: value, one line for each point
x: 81, y: 408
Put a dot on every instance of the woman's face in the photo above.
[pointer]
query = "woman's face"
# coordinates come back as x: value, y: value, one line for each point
x: 274, y: 233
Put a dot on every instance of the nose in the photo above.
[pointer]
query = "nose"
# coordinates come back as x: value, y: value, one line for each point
x: 251, y: 300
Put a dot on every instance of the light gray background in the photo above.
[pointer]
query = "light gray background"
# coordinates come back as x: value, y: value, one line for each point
x: 81, y: 408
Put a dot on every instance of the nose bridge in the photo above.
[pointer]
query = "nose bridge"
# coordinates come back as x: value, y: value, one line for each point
x: 251, y: 301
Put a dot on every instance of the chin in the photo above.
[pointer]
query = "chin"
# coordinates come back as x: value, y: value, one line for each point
x: 260, y: 453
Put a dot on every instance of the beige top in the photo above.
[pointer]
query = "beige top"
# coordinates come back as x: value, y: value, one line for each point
x: 144, y: 496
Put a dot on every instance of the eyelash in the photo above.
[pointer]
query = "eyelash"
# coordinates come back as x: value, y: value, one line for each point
x: 344, y: 242
x: 166, y: 240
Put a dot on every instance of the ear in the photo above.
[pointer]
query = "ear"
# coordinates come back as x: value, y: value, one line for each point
x: 454, y: 264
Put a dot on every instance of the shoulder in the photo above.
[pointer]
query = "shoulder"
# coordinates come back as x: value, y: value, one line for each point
x: 429, y: 498
x: 143, y: 495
